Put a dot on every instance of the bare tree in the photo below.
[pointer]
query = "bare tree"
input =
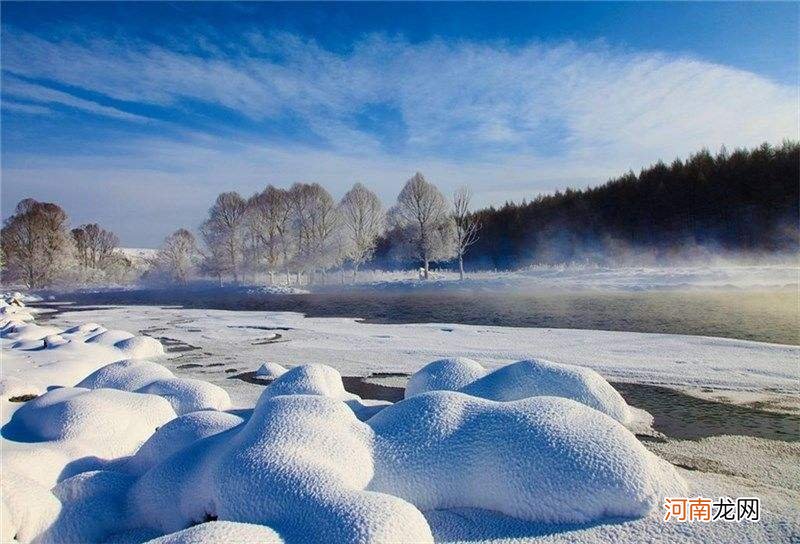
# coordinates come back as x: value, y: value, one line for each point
x: 465, y: 224
x: 94, y: 246
x: 35, y: 242
x: 422, y: 217
x: 223, y: 233
x: 363, y: 219
x: 178, y: 255
x: 269, y: 213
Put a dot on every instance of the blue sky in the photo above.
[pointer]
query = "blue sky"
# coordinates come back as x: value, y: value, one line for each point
x: 137, y: 115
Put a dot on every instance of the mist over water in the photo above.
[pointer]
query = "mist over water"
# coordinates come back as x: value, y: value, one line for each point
x: 760, y: 314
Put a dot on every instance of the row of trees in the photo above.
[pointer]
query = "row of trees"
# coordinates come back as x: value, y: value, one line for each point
x: 304, y: 231
x: 38, y: 248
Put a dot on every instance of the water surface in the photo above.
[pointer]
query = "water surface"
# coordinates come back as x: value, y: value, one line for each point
x: 765, y: 315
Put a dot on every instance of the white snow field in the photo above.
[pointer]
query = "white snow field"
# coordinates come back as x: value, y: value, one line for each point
x: 126, y: 443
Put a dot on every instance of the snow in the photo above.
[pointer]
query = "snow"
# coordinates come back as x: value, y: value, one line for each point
x: 222, y: 531
x: 184, y: 394
x: 36, y: 357
x: 523, y: 379
x: 178, y: 434
x: 444, y: 375
x: 321, y: 380
x: 123, y: 449
x: 270, y: 371
x: 111, y: 422
x: 357, y: 349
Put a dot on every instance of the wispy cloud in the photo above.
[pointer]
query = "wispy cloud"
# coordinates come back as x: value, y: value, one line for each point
x: 510, y: 120
x: 38, y: 93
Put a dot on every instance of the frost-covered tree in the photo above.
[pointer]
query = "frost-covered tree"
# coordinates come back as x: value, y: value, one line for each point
x: 314, y: 218
x: 223, y: 233
x: 363, y: 221
x: 465, y: 225
x: 178, y: 255
x: 36, y: 243
x: 269, y: 213
x: 422, y: 220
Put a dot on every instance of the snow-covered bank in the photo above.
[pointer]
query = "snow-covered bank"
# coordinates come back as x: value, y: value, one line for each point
x: 530, y: 450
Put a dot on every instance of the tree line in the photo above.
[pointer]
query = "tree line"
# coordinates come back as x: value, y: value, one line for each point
x: 38, y: 248
x: 303, y: 233
x: 746, y: 200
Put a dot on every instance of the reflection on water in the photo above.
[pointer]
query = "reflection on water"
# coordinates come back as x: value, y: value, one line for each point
x: 762, y: 315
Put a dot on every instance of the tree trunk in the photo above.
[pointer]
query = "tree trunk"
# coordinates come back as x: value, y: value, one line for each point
x: 461, y: 267
x: 271, y: 277
x: 427, y: 269
x: 355, y: 272
x: 298, y: 277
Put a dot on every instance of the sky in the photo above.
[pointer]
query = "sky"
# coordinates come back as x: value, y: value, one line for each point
x: 136, y: 115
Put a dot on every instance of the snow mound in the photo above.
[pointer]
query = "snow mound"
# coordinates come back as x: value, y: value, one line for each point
x: 85, y: 328
x: 140, y: 347
x: 560, y: 461
x: 28, y: 345
x: 309, y: 380
x: 214, y: 532
x: 523, y: 379
x: 127, y: 375
x: 301, y: 464
x: 94, y: 504
x: 184, y: 394
x: 54, y: 340
x: 109, y: 337
x: 114, y: 422
x: 178, y: 434
x: 444, y: 375
x: 324, y: 381
x: 189, y: 395
x: 307, y: 457
x: 270, y: 371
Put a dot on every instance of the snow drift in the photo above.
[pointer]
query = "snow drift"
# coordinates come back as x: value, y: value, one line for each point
x: 520, y: 380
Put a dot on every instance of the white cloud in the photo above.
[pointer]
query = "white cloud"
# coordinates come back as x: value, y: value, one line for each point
x: 37, y: 93
x: 31, y: 109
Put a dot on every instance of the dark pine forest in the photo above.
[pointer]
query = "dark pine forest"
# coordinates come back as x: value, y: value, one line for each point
x: 745, y: 201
